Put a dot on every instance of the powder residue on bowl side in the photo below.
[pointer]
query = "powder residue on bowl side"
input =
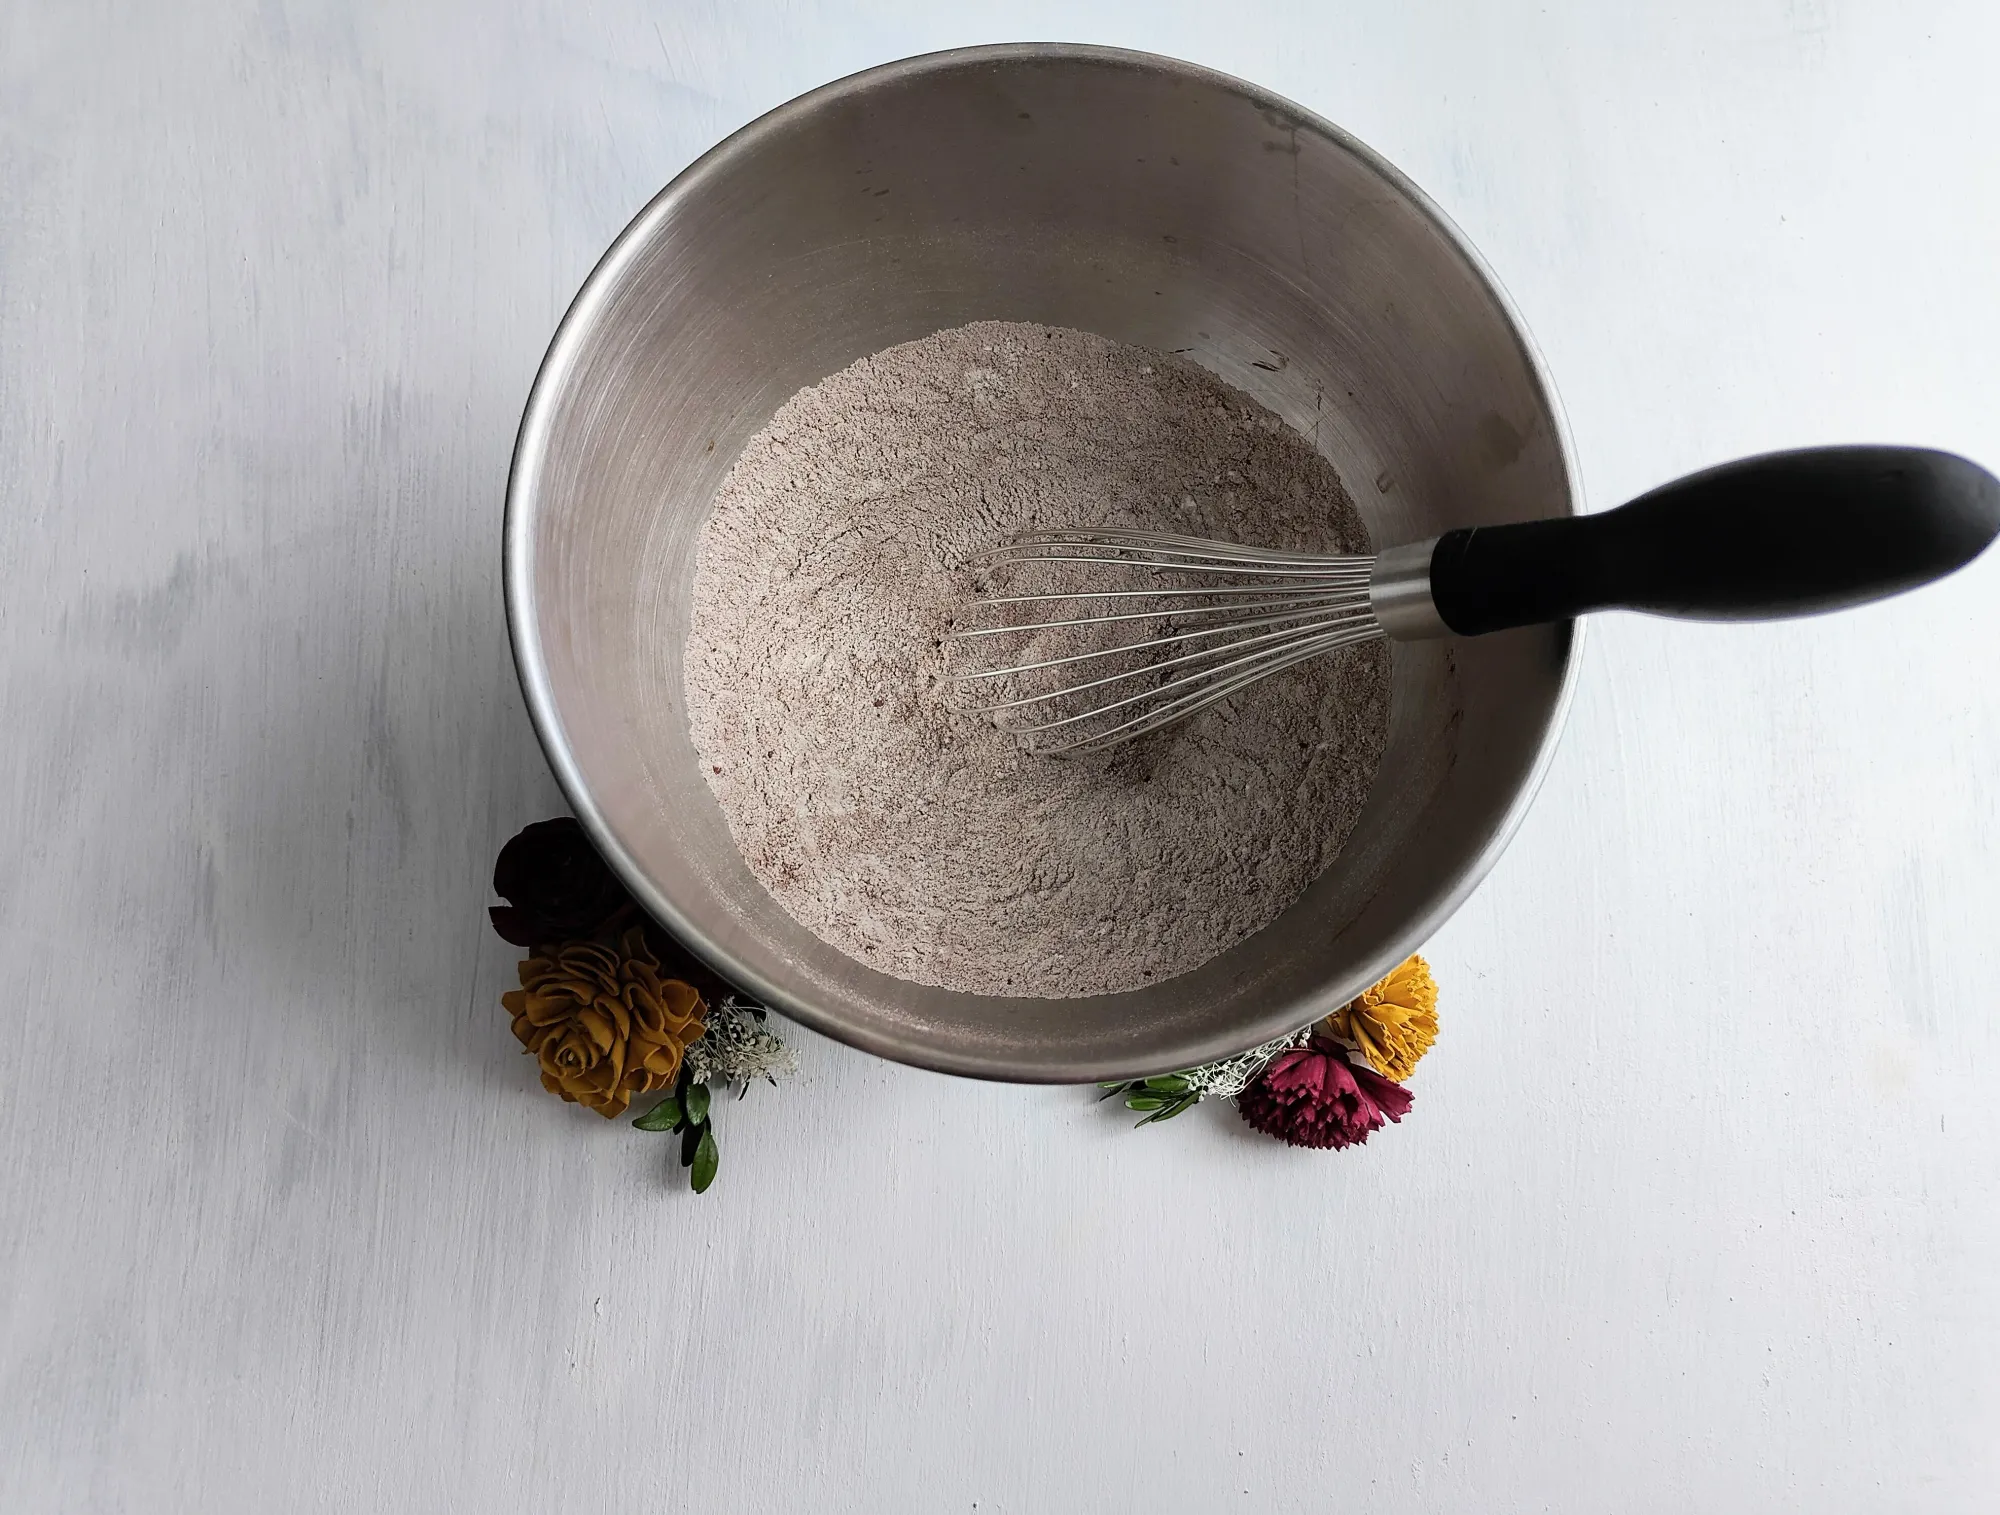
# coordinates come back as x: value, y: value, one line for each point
x: 922, y: 841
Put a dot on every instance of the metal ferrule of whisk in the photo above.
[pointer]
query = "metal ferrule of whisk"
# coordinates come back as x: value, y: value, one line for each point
x: 1079, y: 641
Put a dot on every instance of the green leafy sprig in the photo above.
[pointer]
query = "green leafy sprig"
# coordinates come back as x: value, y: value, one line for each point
x: 1155, y: 1099
x: 685, y: 1114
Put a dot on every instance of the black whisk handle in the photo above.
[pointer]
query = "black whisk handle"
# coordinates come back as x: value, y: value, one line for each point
x: 1785, y: 534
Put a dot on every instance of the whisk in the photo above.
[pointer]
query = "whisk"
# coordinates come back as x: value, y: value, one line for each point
x: 1115, y: 633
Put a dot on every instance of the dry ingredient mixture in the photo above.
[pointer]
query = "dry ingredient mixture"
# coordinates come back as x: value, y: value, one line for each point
x: 925, y: 842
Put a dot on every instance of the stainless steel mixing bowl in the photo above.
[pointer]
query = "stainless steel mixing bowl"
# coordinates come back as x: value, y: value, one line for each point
x: 1145, y: 199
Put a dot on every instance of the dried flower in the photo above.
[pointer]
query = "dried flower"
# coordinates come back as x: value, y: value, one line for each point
x: 602, y: 1021
x: 737, y: 1047
x: 1165, y: 1096
x: 556, y: 886
x: 1312, y: 1096
x: 1394, y: 1023
x: 1232, y: 1075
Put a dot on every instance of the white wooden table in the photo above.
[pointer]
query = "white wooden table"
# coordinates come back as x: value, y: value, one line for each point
x: 1699, y: 1207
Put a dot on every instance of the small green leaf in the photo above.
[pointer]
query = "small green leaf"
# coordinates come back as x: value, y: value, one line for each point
x: 696, y: 1101
x: 1172, y: 1083
x: 1112, y: 1091
x: 1145, y: 1102
x: 1114, y: 1086
x: 691, y: 1141
x: 662, y: 1117
x: 706, y: 1156
x: 1185, y: 1102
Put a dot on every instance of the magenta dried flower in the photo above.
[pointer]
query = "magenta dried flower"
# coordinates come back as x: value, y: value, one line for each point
x: 1312, y: 1096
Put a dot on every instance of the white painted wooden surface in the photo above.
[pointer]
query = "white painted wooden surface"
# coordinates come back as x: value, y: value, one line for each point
x: 1700, y: 1204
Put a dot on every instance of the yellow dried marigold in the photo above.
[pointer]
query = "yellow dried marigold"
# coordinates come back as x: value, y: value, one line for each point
x: 602, y: 1020
x: 1394, y: 1023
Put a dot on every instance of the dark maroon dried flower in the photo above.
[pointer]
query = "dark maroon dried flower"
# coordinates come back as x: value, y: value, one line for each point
x: 556, y: 886
x: 1312, y: 1096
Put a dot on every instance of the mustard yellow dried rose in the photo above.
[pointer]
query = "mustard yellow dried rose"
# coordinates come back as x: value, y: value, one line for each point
x: 603, y: 1022
x: 1394, y: 1023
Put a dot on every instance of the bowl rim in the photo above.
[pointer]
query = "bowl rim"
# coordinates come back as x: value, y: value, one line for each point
x: 530, y: 449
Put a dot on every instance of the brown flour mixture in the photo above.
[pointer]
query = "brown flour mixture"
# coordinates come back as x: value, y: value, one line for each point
x: 922, y: 841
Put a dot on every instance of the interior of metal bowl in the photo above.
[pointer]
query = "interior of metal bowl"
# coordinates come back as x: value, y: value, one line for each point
x: 1147, y: 200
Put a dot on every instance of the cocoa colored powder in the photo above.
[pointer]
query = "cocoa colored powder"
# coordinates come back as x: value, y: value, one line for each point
x: 922, y: 841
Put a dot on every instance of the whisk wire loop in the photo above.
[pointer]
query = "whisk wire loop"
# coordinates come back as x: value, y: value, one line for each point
x: 1256, y: 612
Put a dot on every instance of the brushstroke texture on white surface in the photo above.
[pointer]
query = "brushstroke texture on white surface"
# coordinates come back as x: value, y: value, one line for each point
x: 1700, y: 1203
